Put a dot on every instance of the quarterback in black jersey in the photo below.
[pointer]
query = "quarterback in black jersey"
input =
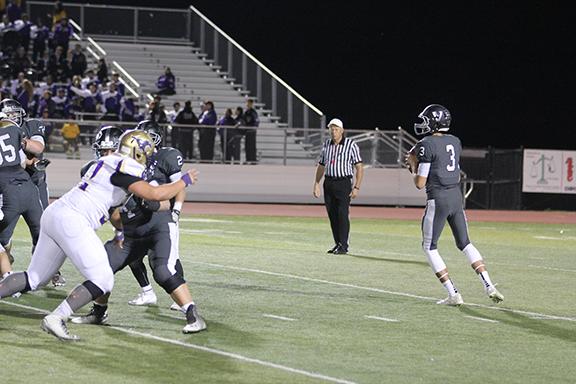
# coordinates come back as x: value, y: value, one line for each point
x: 435, y: 164
x: 151, y: 228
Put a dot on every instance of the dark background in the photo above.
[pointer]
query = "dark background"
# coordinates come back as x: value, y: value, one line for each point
x: 504, y: 69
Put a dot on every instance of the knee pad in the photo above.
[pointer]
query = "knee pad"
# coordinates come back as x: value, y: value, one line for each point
x: 435, y: 260
x: 170, y: 283
x: 94, y: 290
x: 472, y: 253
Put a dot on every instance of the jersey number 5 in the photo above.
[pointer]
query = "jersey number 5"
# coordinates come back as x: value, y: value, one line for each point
x: 8, y: 151
x: 452, y: 166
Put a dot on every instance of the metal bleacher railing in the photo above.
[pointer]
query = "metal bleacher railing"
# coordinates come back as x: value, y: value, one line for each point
x: 236, y: 65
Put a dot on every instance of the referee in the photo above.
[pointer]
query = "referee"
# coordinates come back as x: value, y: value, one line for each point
x: 340, y: 156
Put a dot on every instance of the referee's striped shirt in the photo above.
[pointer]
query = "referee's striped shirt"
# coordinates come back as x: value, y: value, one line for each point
x: 339, y: 159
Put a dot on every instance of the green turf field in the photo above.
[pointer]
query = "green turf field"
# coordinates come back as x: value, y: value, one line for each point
x: 281, y: 310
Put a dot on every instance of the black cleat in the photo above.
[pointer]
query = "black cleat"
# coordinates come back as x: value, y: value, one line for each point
x: 340, y: 251
x: 333, y: 249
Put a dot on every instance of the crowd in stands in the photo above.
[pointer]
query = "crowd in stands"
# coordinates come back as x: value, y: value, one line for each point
x: 51, y: 78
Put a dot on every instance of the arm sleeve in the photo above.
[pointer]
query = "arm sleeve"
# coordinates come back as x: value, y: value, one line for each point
x: 123, y: 180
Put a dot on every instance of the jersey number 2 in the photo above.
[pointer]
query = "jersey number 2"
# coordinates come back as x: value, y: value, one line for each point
x: 452, y: 166
x: 7, y: 151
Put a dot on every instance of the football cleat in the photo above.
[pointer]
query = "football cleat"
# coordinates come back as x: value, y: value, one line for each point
x: 98, y: 315
x: 56, y: 326
x: 195, y: 323
x: 494, y: 294
x: 58, y: 280
x: 144, y: 298
x: 175, y: 307
x: 453, y: 300
x: 331, y: 250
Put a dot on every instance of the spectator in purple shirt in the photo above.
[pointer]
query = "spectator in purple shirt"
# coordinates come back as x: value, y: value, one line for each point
x: 13, y: 11
x: 166, y: 83
x: 62, y: 34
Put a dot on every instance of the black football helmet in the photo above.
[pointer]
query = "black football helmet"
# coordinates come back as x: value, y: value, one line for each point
x: 152, y: 129
x: 12, y: 111
x: 107, y: 138
x: 435, y: 118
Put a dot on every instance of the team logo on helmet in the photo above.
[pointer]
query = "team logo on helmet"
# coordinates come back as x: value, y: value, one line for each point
x: 137, y: 145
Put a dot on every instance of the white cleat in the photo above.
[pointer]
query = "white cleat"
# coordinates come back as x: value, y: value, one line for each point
x: 175, y: 307
x: 56, y: 326
x: 453, y: 300
x: 195, y: 322
x: 94, y: 317
x: 144, y: 298
x: 494, y: 294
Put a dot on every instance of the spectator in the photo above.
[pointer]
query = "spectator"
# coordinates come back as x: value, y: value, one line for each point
x: 207, y: 134
x: 251, y: 119
x: 24, y: 27
x: 62, y: 34
x: 90, y: 77
x: 60, y: 104
x: 78, y: 61
x: 71, y: 132
x: 111, y: 102
x: 20, y: 63
x: 39, y: 34
x: 102, y: 71
x: 13, y: 11
x: 25, y: 95
x: 171, y: 115
x: 183, y: 137
x: 127, y: 109
x: 156, y: 112
x: 119, y: 86
x: 46, y: 104
x: 166, y: 83
x: 58, y: 65
x: 228, y: 133
x: 58, y: 13
x: 91, y: 100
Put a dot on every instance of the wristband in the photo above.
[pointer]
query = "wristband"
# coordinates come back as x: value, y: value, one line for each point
x: 187, y: 179
x: 24, y: 144
x: 118, y: 235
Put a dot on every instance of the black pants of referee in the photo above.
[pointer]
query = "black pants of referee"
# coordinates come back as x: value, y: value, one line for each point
x: 337, y: 201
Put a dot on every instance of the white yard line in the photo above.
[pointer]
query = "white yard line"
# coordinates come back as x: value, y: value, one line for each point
x: 382, y: 319
x: 552, y: 269
x: 555, y: 238
x: 185, y: 220
x: 278, y: 317
x: 395, y: 293
x: 481, y: 319
x: 214, y: 351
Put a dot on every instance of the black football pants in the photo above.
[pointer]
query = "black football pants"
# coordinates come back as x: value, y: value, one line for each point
x: 337, y: 201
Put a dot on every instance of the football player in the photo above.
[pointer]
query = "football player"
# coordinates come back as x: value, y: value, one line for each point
x: 152, y: 228
x: 35, y: 166
x: 68, y: 227
x: 18, y: 194
x: 435, y: 164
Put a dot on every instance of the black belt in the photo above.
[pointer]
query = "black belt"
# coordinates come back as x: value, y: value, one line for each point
x: 337, y: 178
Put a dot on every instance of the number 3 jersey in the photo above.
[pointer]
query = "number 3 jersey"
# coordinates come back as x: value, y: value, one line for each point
x: 104, y: 185
x: 439, y: 157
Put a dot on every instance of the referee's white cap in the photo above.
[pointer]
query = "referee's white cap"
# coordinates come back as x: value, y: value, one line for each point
x: 336, y: 122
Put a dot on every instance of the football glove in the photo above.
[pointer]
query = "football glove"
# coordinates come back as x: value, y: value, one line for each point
x: 175, y: 215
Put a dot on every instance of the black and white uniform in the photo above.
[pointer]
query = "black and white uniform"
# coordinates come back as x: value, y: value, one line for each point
x: 18, y: 194
x: 439, y: 161
x: 339, y: 161
x: 68, y: 225
x: 152, y: 233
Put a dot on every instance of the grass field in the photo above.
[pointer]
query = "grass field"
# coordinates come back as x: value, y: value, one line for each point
x: 281, y: 310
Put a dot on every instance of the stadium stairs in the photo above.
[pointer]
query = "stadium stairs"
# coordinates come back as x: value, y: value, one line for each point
x: 198, y: 79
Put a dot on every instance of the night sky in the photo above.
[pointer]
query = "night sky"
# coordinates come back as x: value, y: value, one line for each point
x: 504, y: 69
